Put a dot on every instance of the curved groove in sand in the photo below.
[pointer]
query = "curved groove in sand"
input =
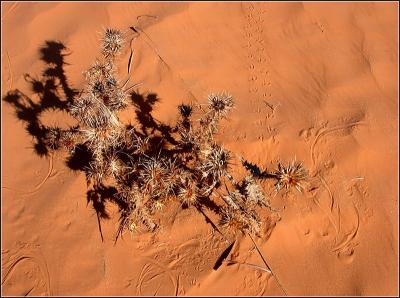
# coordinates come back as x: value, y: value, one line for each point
x: 42, y: 267
x: 329, y: 191
x: 40, y: 184
x: 328, y: 131
x: 353, y: 234
x: 10, y: 71
x: 146, y: 271
x: 329, y: 215
x: 317, y: 138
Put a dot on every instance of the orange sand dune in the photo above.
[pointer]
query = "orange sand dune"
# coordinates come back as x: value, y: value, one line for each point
x: 315, y: 81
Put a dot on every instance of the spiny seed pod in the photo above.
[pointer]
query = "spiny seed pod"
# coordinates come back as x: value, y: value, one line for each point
x: 98, y: 71
x: 152, y: 175
x: 220, y: 104
x: 70, y: 138
x: 188, y: 193
x: 230, y: 221
x: 115, y: 166
x: 174, y: 175
x: 113, y: 42
x: 216, y: 162
x: 292, y: 175
x: 188, y: 139
x: 140, y: 145
x: 93, y: 113
x: 102, y: 138
x: 116, y: 99
x: 252, y: 192
x: 80, y: 107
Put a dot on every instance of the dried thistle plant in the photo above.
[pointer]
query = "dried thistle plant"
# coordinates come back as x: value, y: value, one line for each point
x: 191, y: 170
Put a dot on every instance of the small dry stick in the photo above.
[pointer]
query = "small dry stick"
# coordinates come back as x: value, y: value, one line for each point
x: 266, y: 264
x: 250, y: 265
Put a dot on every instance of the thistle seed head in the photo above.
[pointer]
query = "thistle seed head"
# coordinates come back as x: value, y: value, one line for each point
x: 216, y: 162
x: 112, y: 43
x: 153, y: 176
x: 174, y: 176
x: 220, y: 104
x: 116, y: 99
x: 98, y: 71
x: 253, y: 192
x: 70, y: 138
x: 230, y: 221
x: 292, y: 175
x: 188, y: 193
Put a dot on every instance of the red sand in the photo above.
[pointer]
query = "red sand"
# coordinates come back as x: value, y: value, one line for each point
x: 315, y: 81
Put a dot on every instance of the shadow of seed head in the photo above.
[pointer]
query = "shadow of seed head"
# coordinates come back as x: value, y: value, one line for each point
x: 52, y: 138
x: 185, y: 110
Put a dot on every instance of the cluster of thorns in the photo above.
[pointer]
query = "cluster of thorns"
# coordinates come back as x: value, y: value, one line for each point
x: 190, y: 171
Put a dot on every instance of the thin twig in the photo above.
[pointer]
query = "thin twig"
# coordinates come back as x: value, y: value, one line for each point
x: 266, y: 264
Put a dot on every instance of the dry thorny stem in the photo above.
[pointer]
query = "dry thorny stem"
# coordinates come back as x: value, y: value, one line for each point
x: 147, y: 174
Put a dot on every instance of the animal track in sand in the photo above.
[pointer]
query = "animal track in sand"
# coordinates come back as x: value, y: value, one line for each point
x: 40, y: 184
x: 360, y: 213
x: 9, y: 71
x: 152, y: 276
x: 348, y: 243
x: 258, y: 76
x: 25, y: 263
x: 329, y: 131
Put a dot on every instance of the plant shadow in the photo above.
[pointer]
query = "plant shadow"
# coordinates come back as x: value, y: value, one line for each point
x: 53, y: 92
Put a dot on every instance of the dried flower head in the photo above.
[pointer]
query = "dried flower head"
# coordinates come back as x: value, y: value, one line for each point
x: 188, y: 193
x: 98, y: 71
x: 231, y: 221
x: 115, y: 165
x: 113, y: 42
x: 216, y: 162
x: 253, y: 192
x: 70, y: 138
x: 153, y: 176
x: 220, y: 104
x: 115, y: 99
x: 173, y: 177
x: 292, y: 175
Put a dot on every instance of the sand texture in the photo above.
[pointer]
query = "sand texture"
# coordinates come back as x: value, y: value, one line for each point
x: 313, y: 81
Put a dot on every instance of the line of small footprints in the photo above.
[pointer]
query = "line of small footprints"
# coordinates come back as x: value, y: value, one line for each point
x: 259, y: 83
